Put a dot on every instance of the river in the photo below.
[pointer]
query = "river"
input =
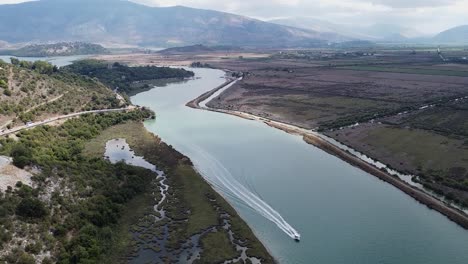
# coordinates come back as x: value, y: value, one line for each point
x: 344, y: 214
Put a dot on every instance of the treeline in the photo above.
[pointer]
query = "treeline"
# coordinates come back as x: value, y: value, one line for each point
x: 200, y: 65
x: 74, y: 210
x: 42, y: 67
x: 121, y: 77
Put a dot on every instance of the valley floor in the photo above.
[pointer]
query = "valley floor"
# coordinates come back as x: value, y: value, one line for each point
x: 408, y: 112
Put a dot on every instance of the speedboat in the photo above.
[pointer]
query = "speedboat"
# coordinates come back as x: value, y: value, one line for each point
x: 297, y: 237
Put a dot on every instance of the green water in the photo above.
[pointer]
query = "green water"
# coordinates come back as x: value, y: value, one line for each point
x: 344, y: 214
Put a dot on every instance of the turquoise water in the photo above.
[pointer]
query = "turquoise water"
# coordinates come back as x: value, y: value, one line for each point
x: 343, y: 214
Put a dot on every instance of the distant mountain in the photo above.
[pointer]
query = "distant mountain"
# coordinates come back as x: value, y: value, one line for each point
x: 4, y: 44
x: 128, y: 23
x: 391, y: 32
x: 57, y: 49
x: 311, y: 24
x: 376, y: 32
x: 354, y: 44
x: 456, y: 35
x: 198, y: 48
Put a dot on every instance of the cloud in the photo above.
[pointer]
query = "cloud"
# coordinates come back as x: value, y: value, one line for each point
x: 13, y: 1
x: 413, y: 3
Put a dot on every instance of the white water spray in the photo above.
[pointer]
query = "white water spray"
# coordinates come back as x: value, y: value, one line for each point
x: 216, y: 174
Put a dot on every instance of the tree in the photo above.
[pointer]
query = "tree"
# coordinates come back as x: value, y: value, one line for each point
x: 14, y: 61
x: 25, y: 258
x: 43, y: 67
x: 31, y: 208
x: 7, y: 92
x: 21, y: 155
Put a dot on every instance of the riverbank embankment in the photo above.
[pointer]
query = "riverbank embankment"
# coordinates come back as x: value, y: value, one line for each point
x: 195, y: 103
x: 450, y: 212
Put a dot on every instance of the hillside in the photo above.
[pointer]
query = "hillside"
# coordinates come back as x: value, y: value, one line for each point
x: 375, y: 32
x: 57, y: 49
x: 36, y: 91
x: 124, y: 78
x: 456, y: 35
x: 127, y: 23
x: 198, y: 49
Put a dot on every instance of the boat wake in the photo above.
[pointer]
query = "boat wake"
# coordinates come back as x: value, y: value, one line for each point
x: 217, y: 175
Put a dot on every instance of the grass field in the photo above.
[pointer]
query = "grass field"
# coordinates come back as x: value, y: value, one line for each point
x: 412, y: 70
x: 448, y: 121
x: 440, y: 160
x: 423, y: 149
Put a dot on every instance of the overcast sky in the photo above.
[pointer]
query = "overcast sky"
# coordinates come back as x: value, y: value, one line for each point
x: 429, y: 16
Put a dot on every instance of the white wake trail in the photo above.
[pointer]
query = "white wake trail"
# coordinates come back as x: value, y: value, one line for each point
x: 217, y: 175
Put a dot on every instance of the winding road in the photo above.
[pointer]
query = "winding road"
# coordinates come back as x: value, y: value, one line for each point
x: 31, y: 125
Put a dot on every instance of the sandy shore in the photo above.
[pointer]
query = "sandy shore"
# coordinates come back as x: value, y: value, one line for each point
x: 453, y: 214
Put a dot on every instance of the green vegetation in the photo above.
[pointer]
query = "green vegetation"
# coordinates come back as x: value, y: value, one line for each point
x: 449, y: 119
x: 190, y: 197
x: 200, y: 65
x: 78, y: 200
x: 7, y: 92
x: 3, y: 83
x: 440, y: 161
x: 21, y: 155
x: 409, y: 70
x: 124, y: 78
x: 34, y: 91
x: 42, y: 67
x: 217, y: 248
x: 57, y: 49
x: 31, y: 208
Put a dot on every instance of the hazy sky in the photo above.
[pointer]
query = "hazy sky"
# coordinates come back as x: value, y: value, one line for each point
x: 429, y: 16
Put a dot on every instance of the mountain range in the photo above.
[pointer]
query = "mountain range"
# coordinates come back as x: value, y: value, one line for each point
x: 127, y: 23
x: 385, y: 33
x: 454, y: 35
x: 121, y: 23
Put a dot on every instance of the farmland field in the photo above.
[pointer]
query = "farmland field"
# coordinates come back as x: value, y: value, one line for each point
x: 408, y: 111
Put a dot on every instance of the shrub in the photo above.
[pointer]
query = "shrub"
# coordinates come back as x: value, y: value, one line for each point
x: 7, y: 92
x: 21, y: 155
x: 3, y: 84
x: 31, y: 208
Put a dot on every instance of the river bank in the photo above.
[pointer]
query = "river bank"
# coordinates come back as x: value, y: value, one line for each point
x: 431, y: 202
x: 195, y: 103
x: 331, y: 203
x: 194, y: 213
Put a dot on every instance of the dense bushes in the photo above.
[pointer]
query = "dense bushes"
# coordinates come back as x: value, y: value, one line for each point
x: 120, y: 76
x: 21, y: 155
x: 83, y: 215
x: 7, y: 92
x: 42, y: 67
x: 31, y: 208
